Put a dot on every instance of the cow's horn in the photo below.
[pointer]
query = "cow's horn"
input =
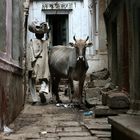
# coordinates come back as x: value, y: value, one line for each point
x: 87, y: 38
x: 74, y: 38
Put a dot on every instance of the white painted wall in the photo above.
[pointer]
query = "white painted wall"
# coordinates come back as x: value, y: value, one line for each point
x: 78, y: 18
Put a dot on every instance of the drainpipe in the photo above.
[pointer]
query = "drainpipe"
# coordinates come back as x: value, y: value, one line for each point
x: 26, y: 5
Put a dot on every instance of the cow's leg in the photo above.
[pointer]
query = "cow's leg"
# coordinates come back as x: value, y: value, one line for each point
x: 71, y: 90
x: 55, y: 85
x: 81, y: 84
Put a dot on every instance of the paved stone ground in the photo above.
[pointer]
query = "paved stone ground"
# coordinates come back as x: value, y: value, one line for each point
x: 50, y: 122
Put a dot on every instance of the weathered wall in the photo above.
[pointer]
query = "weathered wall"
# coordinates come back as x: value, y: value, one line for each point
x: 122, y: 23
x: 11, y: 56
x: 78, y: 21
x: 100, y: 59
x: 11, y: 96
x: 102, y: 33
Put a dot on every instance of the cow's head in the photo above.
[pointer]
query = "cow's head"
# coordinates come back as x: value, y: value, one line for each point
x: 80, y: 46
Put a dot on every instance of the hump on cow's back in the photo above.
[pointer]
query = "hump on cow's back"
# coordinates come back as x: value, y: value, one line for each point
x: 61, y: 48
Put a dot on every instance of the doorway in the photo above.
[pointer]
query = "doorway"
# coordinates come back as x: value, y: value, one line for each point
x: 59, y: 29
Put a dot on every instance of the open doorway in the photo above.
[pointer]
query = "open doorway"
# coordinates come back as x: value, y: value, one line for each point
x: 59, y: 29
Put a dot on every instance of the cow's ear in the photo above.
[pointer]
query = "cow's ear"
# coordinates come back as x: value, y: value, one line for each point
x: 89, y: 44
x: 71, y: 44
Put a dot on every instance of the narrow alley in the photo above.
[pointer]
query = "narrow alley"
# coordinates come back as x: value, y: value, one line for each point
x: 94, y: 46
x: 58, y: 122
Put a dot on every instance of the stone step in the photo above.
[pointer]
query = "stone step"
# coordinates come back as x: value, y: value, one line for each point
x: 98, y: 132
x: 125, y: 127
x: 79, y: 138
x: 97, y: 126
x: 103, y: 111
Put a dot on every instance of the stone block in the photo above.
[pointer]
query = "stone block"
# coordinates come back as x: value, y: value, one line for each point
x: 100, y: 83
x: 101, y: 111
x: 69, y: 123
x: 92, y: 92
x: 73, y: 129
x: 104, y: 136
x: 73, y: 134
x: 105, y: 139
x: 105, y: 94
x: 79, y: 138
x: 102, y: 74
x: 98, y: 132
x: 125, y: 127
x: 90, y: 84
x: 104, y: 97
x: 118, y: 100
x: 99, y: 126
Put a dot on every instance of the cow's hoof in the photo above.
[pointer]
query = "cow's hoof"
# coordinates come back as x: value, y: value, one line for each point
x: 35, y: 103
x: 42, y: 98
x: 88, y: 105
x: 59, y: 101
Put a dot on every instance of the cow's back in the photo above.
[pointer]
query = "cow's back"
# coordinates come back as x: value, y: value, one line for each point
x: 61, y: 58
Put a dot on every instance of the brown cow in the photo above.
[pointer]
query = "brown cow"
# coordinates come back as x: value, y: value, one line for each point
x: 69, y: 62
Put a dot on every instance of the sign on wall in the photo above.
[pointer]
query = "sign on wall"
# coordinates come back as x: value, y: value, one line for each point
x: 57, y: 6
x: 57, y: 0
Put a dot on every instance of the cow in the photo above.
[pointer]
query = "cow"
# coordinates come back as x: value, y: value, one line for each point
x: 69, y: 62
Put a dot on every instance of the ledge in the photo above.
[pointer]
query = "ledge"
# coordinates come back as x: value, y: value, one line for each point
x: 10, y: 67
x: 128, y: 126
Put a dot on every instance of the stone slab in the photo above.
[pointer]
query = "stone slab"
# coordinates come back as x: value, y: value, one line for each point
x: 101, y: 74
x: 73, y: 129
x: 129, y: 125
x: 68, y: 129
x: 73, y: 134
x: 105, y: 139
x: 100, y: 83
x: 92, y: 92
x: 104, y: 136
x: 96, y: 120
x: 98, y: 132
x: 68, y: 123
x: 118, y: 100
x: 79, y: 138
x: 97, y: 126
x: 90, y: 84
x: 103, y: 111
x: 104, y: 97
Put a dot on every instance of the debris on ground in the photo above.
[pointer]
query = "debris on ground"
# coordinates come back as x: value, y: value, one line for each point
x: 100, y: 75
x: 88, y: 113
x: 7, y: 130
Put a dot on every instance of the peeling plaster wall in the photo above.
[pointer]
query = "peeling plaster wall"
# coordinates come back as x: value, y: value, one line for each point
x: 12, y: 95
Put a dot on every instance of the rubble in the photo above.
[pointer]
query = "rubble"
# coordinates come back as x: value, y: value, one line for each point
x: 118, y: 100
x: 100, y: 75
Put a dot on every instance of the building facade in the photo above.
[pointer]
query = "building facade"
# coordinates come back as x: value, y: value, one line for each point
x: 66, y: 19
x: 11, y: 55
x: 122, y: 18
